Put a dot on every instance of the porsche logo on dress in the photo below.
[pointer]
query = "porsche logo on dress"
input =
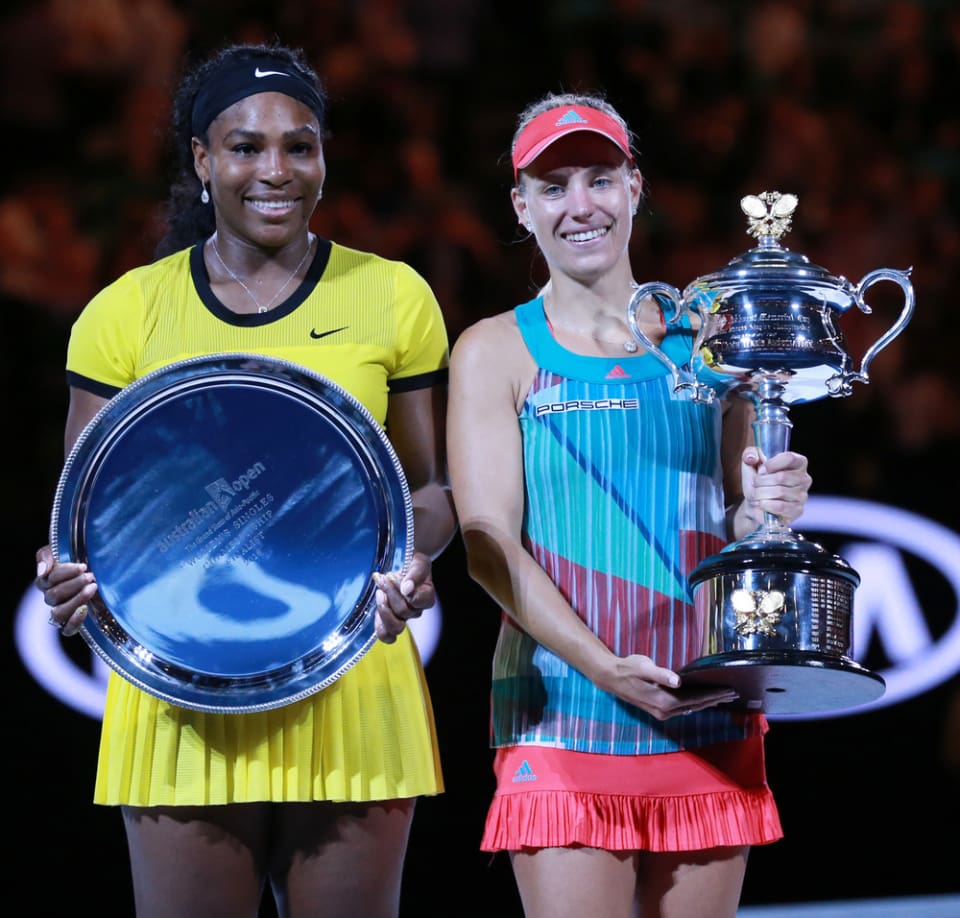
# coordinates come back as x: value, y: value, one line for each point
x: 589, y: 404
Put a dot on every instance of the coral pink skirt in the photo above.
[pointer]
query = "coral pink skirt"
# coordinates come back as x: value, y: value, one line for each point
x: 677, y: 801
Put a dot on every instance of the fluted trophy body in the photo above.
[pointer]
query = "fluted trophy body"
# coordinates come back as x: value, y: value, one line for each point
x: 775, y: 609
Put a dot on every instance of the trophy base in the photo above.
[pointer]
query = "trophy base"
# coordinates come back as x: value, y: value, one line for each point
x: 776, y: 612
x: 787, y: 682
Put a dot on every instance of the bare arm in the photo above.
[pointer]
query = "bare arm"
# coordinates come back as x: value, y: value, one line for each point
x: 486, y: 472
x: 415, y: 424
x: 83, y: 408
x: 66, y: 587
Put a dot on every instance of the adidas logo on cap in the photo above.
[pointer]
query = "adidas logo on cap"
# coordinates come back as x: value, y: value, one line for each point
x: 571, y: 117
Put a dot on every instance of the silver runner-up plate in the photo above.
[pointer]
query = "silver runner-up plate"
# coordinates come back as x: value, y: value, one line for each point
x: 233, y: 509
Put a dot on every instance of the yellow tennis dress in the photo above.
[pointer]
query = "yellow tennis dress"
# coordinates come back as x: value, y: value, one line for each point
x: 373, y: 326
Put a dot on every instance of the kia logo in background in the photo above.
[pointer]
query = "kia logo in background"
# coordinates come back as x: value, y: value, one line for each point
x: 888, y: 612
x: 892, y: 615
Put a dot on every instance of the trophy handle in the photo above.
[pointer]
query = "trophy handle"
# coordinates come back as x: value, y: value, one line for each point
x: 841, y: 383
x: 683, y: 378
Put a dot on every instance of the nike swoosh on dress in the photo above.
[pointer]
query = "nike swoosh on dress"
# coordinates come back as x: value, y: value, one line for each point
x: 315, y: 334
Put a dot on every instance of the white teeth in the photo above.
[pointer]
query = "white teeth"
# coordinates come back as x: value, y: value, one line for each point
x: 272, y: 205
x: 585, y: 237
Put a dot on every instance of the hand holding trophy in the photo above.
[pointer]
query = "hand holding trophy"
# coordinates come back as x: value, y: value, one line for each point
x: 775, y: 609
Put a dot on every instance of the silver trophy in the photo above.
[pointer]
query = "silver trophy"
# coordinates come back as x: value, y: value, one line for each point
x: 775, y: 608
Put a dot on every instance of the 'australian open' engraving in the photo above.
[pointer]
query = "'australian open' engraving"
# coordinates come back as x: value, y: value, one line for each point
x: 215, y: 512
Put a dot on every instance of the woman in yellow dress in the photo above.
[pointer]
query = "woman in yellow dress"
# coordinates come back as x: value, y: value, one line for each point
x: 315, y: 797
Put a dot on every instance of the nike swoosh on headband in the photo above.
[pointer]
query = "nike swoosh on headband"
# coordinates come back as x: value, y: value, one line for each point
x: 265, y: 73
x: 315, y: 334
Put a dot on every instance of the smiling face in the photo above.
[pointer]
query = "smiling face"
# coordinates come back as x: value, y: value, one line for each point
x: 265, y: 168
x: 578, y: 197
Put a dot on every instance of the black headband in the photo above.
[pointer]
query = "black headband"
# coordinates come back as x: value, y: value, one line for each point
x: 239, y: 79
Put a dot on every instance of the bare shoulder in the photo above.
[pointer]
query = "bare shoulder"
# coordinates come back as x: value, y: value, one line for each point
x: 495, y: 340
x: 492, y: 350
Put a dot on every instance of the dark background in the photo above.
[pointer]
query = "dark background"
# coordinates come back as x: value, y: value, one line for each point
x: 849, y: 104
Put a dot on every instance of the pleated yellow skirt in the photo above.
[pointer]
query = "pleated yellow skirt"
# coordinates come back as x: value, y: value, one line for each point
x: 369, y: 736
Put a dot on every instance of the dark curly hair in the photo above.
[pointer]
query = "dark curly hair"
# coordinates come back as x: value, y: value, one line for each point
x: 189, y: 221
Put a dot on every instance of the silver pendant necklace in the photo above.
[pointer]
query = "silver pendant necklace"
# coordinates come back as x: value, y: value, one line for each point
x: 264, y: 308
x: 629, y: 345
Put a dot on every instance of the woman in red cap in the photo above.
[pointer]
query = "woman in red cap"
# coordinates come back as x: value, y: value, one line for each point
x: 587, y: 492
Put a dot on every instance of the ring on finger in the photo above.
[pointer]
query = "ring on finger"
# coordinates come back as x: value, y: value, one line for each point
x: 52, y: 621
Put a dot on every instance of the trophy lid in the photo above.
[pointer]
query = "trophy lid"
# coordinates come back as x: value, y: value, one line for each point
x: 770, y: 267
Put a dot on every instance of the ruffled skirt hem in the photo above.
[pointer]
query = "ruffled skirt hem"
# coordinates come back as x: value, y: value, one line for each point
x: 551, y: 819
x: 689, y: 800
